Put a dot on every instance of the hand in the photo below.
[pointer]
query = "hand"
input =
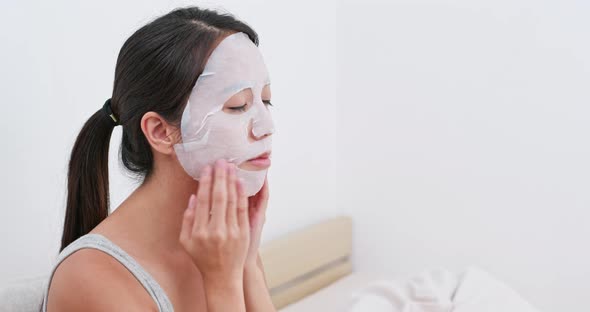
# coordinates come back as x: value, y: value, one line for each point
x: 257, y: 217
x: 215, y: 226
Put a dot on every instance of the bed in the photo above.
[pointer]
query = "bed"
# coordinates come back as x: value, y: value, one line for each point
x: 310, y: 269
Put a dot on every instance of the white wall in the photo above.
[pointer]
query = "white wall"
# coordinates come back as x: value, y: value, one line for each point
x: 58, y: 63
x: 463, y: 139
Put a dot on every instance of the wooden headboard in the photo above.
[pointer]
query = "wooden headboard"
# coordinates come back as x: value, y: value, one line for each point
x: 307, y: 260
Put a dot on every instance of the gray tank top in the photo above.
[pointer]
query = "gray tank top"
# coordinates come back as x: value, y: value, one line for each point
x: 100, y: 242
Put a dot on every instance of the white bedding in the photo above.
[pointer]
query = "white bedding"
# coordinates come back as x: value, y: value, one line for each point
x: 432, y: 291
x: 333, y: 297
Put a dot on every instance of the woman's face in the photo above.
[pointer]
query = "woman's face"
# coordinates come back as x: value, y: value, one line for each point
x: 227, y: 114
x: 240, y: 103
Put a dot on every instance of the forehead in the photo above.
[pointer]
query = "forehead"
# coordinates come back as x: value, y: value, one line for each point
x: 235, y: 64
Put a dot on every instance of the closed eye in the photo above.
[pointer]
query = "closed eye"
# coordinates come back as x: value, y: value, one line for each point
x: 239, y: 108
x: 267, y: 102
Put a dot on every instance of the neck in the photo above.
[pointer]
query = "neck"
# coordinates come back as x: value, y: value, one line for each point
x: 153, y: 212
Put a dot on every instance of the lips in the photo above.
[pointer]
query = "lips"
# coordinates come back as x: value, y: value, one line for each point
x: 264, y: 155
x: 262, y: 161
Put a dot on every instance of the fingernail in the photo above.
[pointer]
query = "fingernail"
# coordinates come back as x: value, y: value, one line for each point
x: 191, y: 202
x: 240, y: 186
x: 231, y: 169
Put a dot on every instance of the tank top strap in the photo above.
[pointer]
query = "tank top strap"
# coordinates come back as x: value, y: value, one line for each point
x: 97, y: 241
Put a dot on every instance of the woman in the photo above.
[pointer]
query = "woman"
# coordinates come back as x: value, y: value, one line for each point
x: 192, y: 93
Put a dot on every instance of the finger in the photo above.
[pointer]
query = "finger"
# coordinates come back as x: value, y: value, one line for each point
x: 202, y: 202
x: 265, y: 189
x: 260, y: 199
x: 232, y: 197
x: 219, y: 202
x: 188, y: 219
x: 264, y: 195
x: 243, y: 220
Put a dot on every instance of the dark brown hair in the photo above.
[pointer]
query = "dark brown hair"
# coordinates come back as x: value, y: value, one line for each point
x: 156, y: 70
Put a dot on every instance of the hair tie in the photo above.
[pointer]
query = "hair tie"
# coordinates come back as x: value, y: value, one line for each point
x: 106, y: 108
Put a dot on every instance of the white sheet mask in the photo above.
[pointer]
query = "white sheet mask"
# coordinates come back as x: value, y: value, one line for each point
x: 209, y: 133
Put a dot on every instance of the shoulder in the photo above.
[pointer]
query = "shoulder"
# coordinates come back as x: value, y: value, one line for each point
x: 91, y: 280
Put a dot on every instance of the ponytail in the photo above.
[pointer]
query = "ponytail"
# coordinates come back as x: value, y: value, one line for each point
x: 88, y: 178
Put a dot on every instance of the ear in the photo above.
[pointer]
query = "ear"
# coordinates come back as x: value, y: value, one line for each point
x: 159, y: 133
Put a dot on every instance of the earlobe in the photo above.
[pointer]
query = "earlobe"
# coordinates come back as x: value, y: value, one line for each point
x: 158, y: 132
